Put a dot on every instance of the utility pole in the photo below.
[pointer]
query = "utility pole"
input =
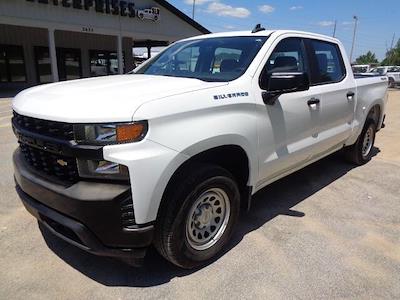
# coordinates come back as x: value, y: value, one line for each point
x: 391, y: 48
x: 354, y: 38
x: 334, y: 29
x: 194, y: 6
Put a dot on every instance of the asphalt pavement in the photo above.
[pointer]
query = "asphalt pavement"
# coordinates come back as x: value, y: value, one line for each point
x: 329, y: 231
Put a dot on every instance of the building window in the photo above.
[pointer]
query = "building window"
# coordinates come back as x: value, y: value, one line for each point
x: 12, y: 64
x: 43, y: 65
x: 3, y: 67
x: 69, y: 63
x: 103, y: 62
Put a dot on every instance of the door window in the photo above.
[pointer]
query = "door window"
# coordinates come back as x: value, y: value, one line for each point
x: 288, y: 56
x: 328, y: 65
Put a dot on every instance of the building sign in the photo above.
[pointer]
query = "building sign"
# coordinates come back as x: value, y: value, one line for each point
x: 111, y: 7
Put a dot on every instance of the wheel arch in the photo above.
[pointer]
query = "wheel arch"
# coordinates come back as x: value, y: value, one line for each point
x: 231, y: 157
x: 375, y: 113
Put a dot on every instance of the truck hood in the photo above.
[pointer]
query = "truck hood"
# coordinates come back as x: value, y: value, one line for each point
x: 102, y: 99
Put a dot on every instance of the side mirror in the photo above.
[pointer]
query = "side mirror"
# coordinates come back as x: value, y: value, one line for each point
x: 276, y: 84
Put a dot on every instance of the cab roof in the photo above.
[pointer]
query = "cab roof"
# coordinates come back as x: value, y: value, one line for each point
x: 262, y: 33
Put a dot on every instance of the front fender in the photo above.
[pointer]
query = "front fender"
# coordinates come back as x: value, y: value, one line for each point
x: 227, y: 140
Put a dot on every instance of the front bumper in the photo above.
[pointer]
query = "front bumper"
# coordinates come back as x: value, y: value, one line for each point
x: 86, y: 214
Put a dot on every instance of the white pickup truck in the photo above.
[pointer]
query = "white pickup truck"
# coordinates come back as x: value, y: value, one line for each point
x: 391, y: 72
x: 170, y: 154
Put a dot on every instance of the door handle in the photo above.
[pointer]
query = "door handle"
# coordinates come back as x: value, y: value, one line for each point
x: 350, y: 95
x: 313, y: 101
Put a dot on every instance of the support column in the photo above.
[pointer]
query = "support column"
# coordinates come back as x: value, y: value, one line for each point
x: 120, y: 57
x: 53, y: 56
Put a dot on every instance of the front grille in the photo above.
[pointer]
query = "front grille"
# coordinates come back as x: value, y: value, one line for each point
x: 61, y: 167
x: 127, y: 213
x: 60, y: 130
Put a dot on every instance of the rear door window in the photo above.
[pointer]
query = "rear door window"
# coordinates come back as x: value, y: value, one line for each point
x: 327, y: 62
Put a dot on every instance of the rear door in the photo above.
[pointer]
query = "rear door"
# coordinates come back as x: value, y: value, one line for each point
x: 336, y: 90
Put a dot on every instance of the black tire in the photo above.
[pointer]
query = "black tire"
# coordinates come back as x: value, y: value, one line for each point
x: 354, y: 153
x: 391, y: 83
x: 171, y: 238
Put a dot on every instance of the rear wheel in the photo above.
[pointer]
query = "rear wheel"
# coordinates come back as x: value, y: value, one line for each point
x: 198, y: 215
x: 361, y: 151
x: 391, y: 83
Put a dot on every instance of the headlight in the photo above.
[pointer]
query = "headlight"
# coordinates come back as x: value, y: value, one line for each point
x: 106, y: 134
x: 102, y: 169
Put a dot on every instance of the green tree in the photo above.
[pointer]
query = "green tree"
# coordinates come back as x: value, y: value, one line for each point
x: 368, y: 58
x: 393, y: 56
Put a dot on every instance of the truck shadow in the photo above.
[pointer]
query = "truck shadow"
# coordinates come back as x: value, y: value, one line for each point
x: 276, y: 199
x: 10, y: 93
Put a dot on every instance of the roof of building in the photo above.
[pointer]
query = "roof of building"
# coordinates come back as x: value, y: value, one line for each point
x: 183, y: 16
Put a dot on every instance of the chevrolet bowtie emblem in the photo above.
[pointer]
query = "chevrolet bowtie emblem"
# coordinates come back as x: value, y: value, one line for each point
x: 62, y: 162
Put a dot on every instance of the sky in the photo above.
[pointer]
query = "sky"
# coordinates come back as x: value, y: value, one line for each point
x: 377, y: 20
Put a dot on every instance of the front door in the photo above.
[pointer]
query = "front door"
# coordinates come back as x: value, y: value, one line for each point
x: 286, y: 129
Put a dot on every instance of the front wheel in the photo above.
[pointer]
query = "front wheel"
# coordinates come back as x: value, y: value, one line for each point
x: 197, y: 216
x: 361, y: 152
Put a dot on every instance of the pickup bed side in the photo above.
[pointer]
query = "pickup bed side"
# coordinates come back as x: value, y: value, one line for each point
x: 371, y: 93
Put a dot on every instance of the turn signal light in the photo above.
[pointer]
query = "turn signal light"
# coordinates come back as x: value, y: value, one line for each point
x: 131, y: 132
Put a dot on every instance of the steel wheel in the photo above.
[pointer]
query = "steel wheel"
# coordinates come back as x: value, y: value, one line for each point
x: 207, y: 219
x: 198, y: 215
x: 368, y: 141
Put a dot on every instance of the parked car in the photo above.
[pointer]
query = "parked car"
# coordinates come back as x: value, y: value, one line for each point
x: 392, y: 72
x: 361, y: 68
x: 171, y: 154
x: 152, y: 14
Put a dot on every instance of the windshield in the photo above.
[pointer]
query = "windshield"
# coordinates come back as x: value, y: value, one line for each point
x: 210, y: 59
x: 381, y: 71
